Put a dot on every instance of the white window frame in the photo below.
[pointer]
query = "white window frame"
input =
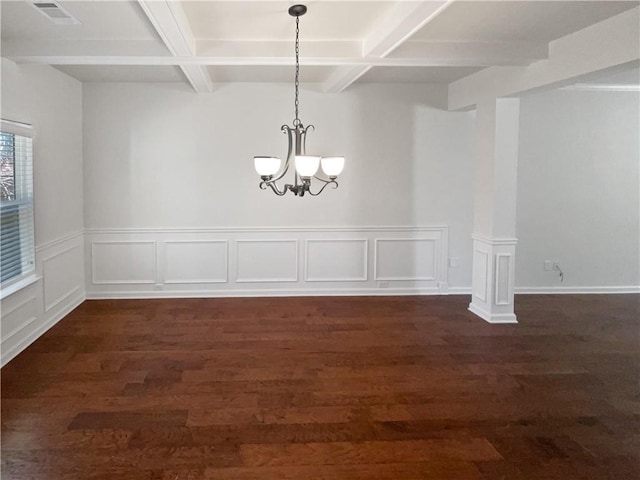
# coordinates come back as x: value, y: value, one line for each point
x: 27, y: 244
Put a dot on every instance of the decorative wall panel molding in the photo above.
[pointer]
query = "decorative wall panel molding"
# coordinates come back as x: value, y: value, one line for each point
x: 266, y: 261
x: 123, y: 261
x: 196, y: 261
x: 480, y: 273
x: 504, y: 282
x: 19, y: 317
x: 31, y: 311
x: 330, y: 260
x: 60, y: 282
x: 147, y: 263
x: 406, y: 259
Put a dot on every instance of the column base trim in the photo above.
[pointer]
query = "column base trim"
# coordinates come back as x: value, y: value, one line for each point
x: 493, y: 317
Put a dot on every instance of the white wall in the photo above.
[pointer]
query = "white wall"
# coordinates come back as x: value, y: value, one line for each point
x: 578, y: 183
x: 161, y: 159
x: 162, y: 180
x: 52, y: 103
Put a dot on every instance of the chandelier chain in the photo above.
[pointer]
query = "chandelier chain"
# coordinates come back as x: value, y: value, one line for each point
x: 296, y: 121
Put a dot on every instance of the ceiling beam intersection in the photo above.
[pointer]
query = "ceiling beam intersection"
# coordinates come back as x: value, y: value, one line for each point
x: 388, y: 35
x: 171, y: 24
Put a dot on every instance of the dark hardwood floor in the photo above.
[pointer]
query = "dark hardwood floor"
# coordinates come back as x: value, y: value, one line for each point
x: 328, y: 388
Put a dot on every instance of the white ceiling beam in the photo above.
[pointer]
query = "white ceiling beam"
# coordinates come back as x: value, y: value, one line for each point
x: 278, y: 48
x: 514, y: 53
x: 605, y: 46
x: 347, y: 62
x: 72, y: 47
x: 406, y: 19
x: 603, y: 87
x: 274, y: 53
x: 344, y: 76
x: 170, y: 21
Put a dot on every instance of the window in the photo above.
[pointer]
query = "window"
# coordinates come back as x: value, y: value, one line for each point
x: 17, y: 256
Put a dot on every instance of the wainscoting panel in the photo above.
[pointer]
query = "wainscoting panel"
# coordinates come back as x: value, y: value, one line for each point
x: 121, y: 262
x: 266, y: 261
x: 330, y: 260
x: 219, y: 262
x: 61, y: 282
x: 58, y: 288
x: 196, y: 261
x: 480, y: 274
x: 406, y: 259
x: 503, y: 279
x: 19, y: 316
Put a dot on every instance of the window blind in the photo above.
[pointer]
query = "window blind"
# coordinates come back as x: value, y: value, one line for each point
x: 17, y: 252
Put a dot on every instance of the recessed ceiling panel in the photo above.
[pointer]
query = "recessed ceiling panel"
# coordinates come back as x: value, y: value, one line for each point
x: 152, y: 74
x: 269, y: 20
x: 99, y: 20
x: 253, y: 73
x: 534, y: 21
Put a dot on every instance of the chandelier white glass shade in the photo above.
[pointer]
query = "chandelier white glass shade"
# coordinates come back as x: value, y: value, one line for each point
x: 307, y: 167
x: 267, y: 166
x: 332, y: 166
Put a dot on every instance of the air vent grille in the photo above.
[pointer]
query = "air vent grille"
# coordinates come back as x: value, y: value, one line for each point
x: 55, y: 13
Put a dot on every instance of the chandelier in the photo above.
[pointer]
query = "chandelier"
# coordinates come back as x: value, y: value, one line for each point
x: 271, y: 169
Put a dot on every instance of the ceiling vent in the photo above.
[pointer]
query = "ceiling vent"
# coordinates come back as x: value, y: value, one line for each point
x: 55, y: 13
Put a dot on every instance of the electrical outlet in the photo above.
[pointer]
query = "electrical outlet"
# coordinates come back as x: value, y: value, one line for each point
x: 383, y: 284
x: 454, y: 262
x: 548, y: 265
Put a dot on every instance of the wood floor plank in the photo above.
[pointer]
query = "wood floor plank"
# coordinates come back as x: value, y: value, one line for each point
x: 346, y: 388
x: 348, y: 453
x: 389, y: 471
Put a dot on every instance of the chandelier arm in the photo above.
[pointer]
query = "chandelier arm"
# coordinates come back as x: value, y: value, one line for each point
x: 272, y: 184
x: 330, y: 182
x: 331, y: 179
x: 304, y: 138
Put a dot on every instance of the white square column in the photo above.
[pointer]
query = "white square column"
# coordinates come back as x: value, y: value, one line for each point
x: 494, y: 242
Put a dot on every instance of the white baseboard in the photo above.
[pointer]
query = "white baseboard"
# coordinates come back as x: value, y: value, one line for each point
x: 558, y: 290
x: 459, y: 290
x: 579, y: 290
x: 347, y: 292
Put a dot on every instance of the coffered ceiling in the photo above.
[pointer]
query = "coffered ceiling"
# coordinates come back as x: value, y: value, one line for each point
x: 342, y: 42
